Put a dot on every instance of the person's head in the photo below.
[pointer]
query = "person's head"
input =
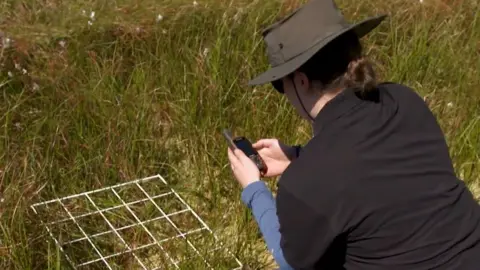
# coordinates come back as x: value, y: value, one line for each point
x: 338, y: 65
x: 315, y: 53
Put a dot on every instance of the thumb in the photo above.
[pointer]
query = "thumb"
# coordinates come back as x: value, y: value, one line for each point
x: 263, y: 143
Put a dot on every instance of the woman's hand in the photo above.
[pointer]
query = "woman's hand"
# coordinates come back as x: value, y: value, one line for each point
x: 243, y: 167
x: 277, y: 156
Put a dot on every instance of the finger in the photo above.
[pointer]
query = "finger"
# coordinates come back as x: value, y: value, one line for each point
x: 263, y: 143
x: 241, y: 156
x: 234, y: 161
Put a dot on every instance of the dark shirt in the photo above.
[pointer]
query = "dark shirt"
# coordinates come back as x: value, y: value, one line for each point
x: 375, y: 189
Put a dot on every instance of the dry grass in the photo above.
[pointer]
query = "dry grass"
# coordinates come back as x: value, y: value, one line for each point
x: 86, y: 105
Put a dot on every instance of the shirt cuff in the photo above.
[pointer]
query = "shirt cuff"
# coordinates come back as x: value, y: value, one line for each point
x: 249, y: 192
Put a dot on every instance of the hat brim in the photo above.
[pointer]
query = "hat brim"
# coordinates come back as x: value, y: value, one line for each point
x: 360, y: 29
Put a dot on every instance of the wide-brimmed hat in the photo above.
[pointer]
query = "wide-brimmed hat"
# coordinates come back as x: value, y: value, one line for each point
x: 293, y: 40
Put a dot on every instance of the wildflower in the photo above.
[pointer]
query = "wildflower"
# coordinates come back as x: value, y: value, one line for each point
x: 159, y: 18
x: 10, y: 74
x: 84, y: 12
x: 18, y: 125
x: 17, y: 66
x: 450, y: 104
x: 90, y: 23
x: 195, y: 3
x: 92, y: 15
x: 35, y: 87
x: 62, y: 43
x: 24, y: 71
x: 2, y: 200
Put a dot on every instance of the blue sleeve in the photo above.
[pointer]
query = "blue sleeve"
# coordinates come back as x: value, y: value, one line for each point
x: 259, y: 198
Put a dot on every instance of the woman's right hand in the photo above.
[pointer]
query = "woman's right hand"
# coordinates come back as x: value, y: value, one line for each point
x: 277, y: 156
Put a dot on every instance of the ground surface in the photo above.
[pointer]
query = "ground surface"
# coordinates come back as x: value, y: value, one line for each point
x: 98, y: 92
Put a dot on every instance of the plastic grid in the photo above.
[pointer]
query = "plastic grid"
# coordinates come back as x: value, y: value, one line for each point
x: 89, y: 220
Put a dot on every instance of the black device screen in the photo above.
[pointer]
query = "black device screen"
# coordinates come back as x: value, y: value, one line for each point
x: 245, y: 145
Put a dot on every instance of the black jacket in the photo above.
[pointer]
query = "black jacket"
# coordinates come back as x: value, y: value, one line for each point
x: 375, y: 189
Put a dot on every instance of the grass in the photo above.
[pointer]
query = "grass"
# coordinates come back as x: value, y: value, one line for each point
x: 86, y: 106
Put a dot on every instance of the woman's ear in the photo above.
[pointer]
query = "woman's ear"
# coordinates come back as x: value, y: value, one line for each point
x: 301, y: 80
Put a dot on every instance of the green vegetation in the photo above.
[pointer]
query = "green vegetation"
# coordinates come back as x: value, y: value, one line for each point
x: 88, y: 103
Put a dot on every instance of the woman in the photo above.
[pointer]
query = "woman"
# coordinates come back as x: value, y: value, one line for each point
x: 375, y: 187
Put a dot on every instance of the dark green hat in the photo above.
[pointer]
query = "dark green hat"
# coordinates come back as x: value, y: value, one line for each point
x: 296, y: 38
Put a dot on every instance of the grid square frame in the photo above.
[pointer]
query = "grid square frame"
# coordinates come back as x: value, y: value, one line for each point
x: 99, y: 255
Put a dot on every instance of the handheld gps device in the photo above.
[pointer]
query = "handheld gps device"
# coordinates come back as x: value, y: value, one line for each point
x: 245, y: 145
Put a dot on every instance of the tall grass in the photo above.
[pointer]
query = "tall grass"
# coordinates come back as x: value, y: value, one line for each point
x: 88, y: 103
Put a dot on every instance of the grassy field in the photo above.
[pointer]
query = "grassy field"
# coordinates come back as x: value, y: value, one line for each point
x: 98, y: 92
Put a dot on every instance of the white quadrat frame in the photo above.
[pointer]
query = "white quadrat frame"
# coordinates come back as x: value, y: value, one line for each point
x: 112, y: 229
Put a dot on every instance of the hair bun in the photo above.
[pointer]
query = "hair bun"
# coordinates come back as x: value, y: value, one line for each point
x: 361, y: 74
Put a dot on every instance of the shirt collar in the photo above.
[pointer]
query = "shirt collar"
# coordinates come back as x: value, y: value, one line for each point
x: 335, y: 108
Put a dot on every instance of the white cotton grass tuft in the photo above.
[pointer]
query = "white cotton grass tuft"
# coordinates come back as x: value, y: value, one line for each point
x: 205, y: 52
x: 91, y: 17
x: 159, y: 18
x: 6, y: 43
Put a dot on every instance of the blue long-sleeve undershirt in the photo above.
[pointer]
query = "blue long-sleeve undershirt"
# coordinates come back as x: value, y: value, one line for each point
x: 259, y: 198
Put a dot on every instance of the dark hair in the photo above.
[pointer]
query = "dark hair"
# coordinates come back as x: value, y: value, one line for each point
x: 341, y: 64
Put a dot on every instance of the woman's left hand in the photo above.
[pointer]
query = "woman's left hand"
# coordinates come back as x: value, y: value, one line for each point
x: 243, y: 167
